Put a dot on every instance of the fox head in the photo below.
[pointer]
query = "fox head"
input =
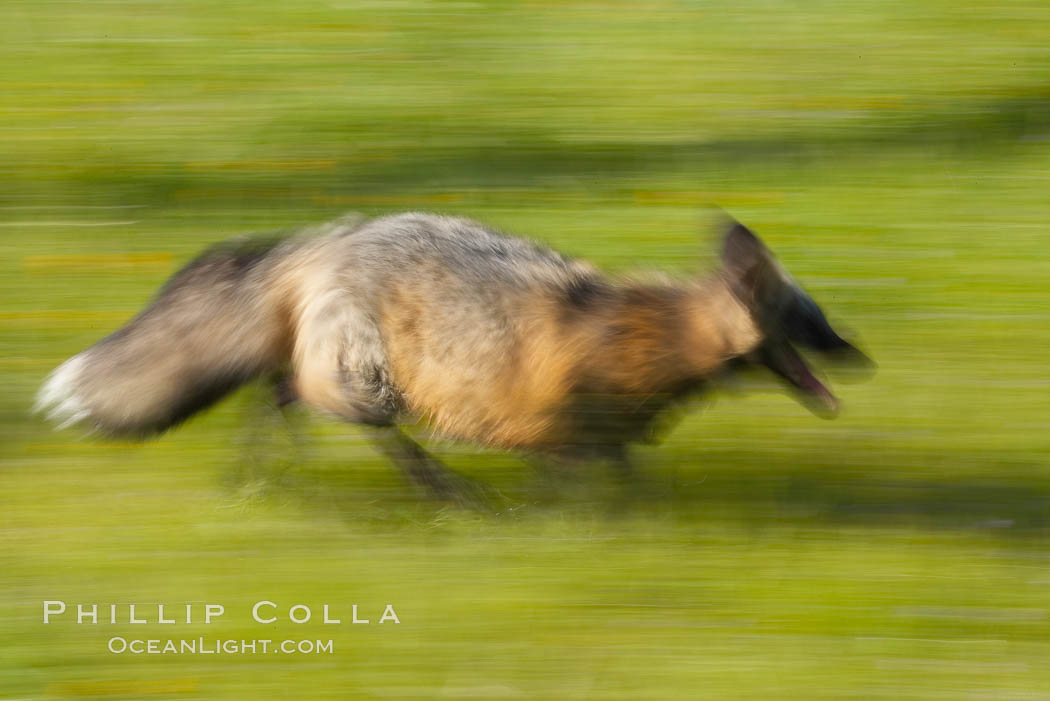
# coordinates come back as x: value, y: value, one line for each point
x: 787, y: 318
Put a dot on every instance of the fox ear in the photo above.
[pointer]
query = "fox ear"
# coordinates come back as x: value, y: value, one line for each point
x: 747, y: 262
x: 742, y: 250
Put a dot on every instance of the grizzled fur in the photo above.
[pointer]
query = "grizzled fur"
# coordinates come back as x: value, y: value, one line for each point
x: 487, y: 337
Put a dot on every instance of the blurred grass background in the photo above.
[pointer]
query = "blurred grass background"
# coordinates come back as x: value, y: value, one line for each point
x: 894, y: 154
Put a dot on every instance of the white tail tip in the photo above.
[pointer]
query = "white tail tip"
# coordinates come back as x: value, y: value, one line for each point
x: 59, y: 396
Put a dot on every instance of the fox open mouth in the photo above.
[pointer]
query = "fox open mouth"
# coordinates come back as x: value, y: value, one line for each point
x: 784, y: 360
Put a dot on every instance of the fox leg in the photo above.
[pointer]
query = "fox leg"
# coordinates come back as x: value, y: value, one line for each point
x: 284, y: 392
x: 271, y: 438
x: 339, y: 363
x: 428, y: 472
x: 417, y: 464
x: 357, y: 393
x: 420, y: 467
x: 340, y: 366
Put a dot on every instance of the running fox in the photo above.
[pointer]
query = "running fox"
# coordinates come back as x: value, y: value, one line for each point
x: 486, y: 337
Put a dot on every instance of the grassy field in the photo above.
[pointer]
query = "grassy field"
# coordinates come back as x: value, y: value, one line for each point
x: 894, y: 154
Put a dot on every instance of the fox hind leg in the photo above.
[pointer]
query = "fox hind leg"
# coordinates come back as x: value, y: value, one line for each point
x: 269, y: 441
x: 339, y: 363
x: 340, y: 367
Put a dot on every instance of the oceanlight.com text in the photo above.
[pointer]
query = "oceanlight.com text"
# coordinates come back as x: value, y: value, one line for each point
x: 217, y: 646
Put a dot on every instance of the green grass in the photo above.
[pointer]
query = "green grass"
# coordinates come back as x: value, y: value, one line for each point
x: 894, y: 154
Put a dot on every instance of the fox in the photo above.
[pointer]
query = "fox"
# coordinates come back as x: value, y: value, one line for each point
x: 486, y: 337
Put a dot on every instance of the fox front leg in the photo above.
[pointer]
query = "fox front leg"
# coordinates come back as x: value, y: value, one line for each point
x: 424, y: 470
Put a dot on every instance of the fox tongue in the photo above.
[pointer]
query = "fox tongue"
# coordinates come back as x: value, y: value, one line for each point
x: 782, y: 359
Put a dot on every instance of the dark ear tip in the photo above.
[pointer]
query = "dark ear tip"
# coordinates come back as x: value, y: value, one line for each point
x: 740, y: 246
x: 721, y: 222
x: 732, y: 230
x: 736, y: 230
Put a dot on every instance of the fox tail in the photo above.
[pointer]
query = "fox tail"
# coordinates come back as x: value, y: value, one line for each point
x: 215, y: 325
